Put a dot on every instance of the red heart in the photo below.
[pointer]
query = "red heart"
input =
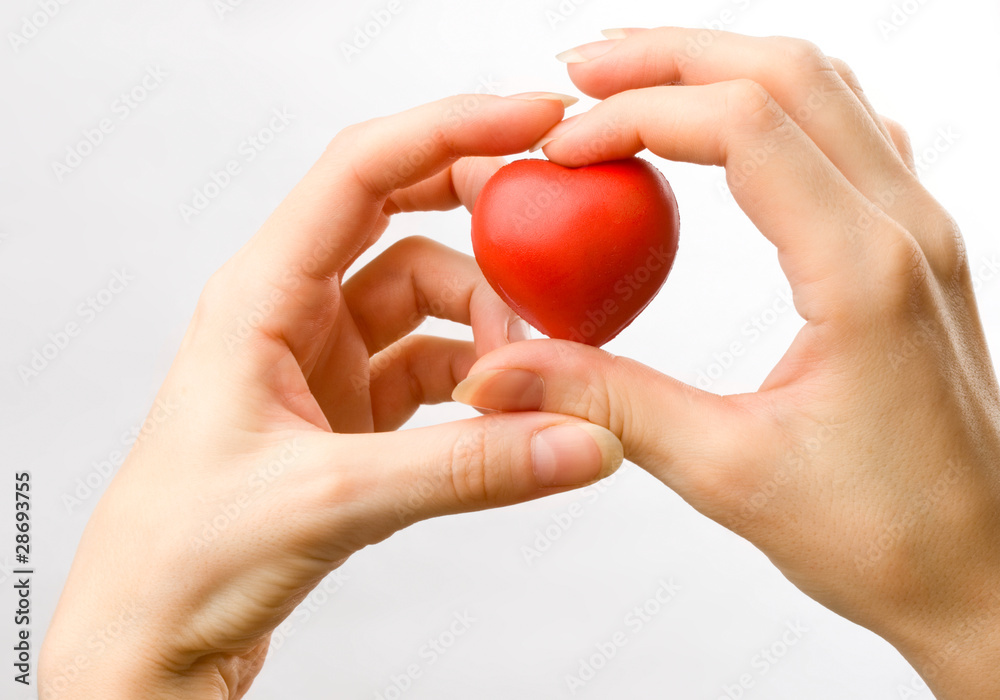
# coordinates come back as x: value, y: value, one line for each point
x: 577, y: 252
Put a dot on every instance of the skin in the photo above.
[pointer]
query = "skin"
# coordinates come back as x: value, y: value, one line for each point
x: 270, y: 455
x: 866, y: 465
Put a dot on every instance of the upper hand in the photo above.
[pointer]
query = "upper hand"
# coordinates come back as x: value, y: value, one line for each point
x: 866, y: 465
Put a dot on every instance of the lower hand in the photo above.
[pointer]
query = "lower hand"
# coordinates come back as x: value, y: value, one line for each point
x: 270, y: 458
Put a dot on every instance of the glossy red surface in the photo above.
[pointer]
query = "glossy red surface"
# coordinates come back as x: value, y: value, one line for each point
x: 580, y: 252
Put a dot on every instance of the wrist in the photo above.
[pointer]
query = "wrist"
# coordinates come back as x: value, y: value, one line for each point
x: 957, y: 657
x: 63, y: 678
x: 116, y: 662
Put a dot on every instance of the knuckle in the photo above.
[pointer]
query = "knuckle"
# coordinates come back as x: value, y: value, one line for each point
x: 349, y: 136
x: 593, y: 400
x: 901, y: 141
x: 750, y: 105
x: 441, y: 141
x: 214, y: 291
x: 472, y: 481
x: 896, y: 130
x: 949, y: 257
x: 594, y: 404
x: 846, y: 74
x: 338, y: 488
x: 804, y: 57
x: 346, y: 155
x: 412, y: 247
x: 904, y: 272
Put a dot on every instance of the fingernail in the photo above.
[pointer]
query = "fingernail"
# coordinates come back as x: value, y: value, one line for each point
x: 622, y: 32
x: 558, y: 131
x: 518, y: 330
x: 501, y: 390
x: 614, y: 33
x: 567, y: 100
x: 572, y: 454
x: 587, y: 52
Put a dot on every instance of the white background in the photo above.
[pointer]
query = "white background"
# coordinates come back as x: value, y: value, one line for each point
x: 61, y: 241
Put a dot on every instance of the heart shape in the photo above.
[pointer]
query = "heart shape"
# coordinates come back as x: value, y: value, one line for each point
x: 577, y: 252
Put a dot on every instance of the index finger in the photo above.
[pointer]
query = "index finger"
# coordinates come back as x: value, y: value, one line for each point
x: 835, y: 246
x: 330, y: 215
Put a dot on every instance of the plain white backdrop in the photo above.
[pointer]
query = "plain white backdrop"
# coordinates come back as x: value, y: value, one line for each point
x: 204, y: 80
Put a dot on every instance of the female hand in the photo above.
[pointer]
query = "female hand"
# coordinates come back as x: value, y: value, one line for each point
x: 866, y: 466
x: 257, y: 473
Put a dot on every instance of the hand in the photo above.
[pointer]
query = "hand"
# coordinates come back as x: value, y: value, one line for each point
x: 866, y: 466
x: 257, y: 474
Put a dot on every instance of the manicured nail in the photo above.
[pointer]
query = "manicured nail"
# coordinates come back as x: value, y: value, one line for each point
x: 558, y: 131
x: 518, y: 330
x: 587, y: 52
x: 501, y: 390
x: 574, y: 454
x: 567, y: 100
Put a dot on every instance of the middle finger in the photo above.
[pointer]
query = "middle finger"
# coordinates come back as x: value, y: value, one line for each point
x: 418, y: 277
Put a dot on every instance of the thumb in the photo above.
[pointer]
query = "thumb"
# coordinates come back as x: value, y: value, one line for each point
x: 484, y: 462
x: 698, y: 443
